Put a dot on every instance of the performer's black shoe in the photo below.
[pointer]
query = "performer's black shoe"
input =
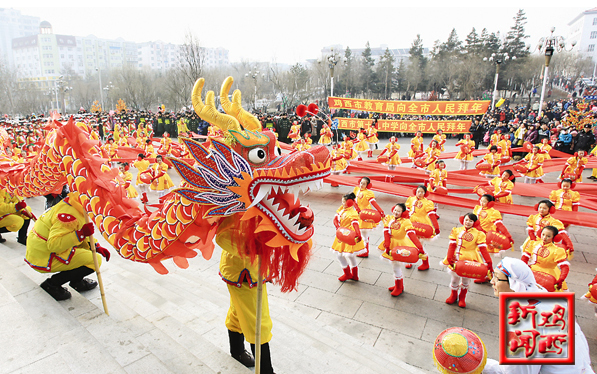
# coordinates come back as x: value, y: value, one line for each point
x: 245, y: 358
x: 57, y: 292
x: 238, y: 351
x: 2, y: 240
x: 84, y: 285
x: 22, y: 241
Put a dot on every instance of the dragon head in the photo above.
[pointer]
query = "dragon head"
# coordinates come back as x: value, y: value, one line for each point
x: 245, y: 173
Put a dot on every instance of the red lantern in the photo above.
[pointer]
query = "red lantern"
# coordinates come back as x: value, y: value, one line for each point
x: 405, y: 254
x: 313, y: 109
x: 346, y: 236
x: 546, y: 280
x: 146, y: 178
x: 484, y: 167
x: 505, y: 160
x: 570, y: 176
x: 370, y: 215
x: 175, y: 152
x: 301, y: 110
x: 465, y: 149
x: 382, y: 159
x: 521, y: 168
x: 471, y: 269
x: 423, y: 230
x: 483, y: 191
x: 498, y: 241
x: 527, y: 146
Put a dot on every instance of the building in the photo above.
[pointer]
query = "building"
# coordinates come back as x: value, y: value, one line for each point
x: 157, y: 55
x: 14, y: 25
x: 583, y: 29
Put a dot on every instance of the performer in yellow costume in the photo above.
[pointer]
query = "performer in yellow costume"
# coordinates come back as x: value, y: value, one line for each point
x: 142, y: 166
x: 339, y: 163
x: 546, y: 257
x: 534, y: 164
x: 123, y: 141
x: 59, y: 243
x: 392, y: 153
x: 241, y: 276
x: 543, y: 218
x: 440, y: 138
x: 432, y: 154
x: 438, y: 177
x: 565, y: 198
x: 366, y: 200
x: 295, y: 132
x: 149, y: 150
x: 502, y: 187
x: 493, y: 159
x: 594, y: 173
x: 466, y: 243
x: 544, y: 148
x: 372, y: 138
x: 465, y: 155
x: 161, y: 181
x: 422, y: 211
x: 504, y: 147
x: 127, y: 177
x: 574, y: 167
x: 182, y: 128
x: 349, y: 152
x: 491, y: 220
x: 348, y: 218
x: 494, y: 139
x: 14, y: 216
x: 326, y: 135
x: 399, y: 232
x: 165, y: 144
x: 362, y: 145
x: 416, y: 146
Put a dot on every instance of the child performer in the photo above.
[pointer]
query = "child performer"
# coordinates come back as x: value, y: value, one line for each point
x: 347, y: 217
x: 465, y: 155
x: 393, y: 157
x: 542, y: 255
x: 366, y: 200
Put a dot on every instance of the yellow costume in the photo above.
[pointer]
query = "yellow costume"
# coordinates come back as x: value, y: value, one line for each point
x: 500, y: 187
x: 468, y: 244
x: 534, y: 161
x: 349, y: 152
x: 53, y: 245
x: 141, y: 166
x: 182, y: 127
x: 346, y: 217
x: 398, y: 229
x: 326, y: 135
x: 395, y: 158
x: 465, y: 156
x: 163, y: 181
x: 123, y: 142
x: 441, y: 140
x: 546, y: 258
x: 492, y: 159
x: 494, y: 140
x: 575, y: 165
x: 432, y: 156
x: 149, y: 151
x: 9, y: 217
x: 419, y: 210
x: 438, y: 178
x: 544, y: 148
x: 241, y: 276
x: 165, y: 145
x: 131, y: 192
x: 362, y: 144
x: 339, y: 163
x: 295, y: 133
x: 416, y: 146
x: 565, y: 199
x: 504, y: 146
x: 536, y: 223
x: 372, y: 135
x: 363, y: 200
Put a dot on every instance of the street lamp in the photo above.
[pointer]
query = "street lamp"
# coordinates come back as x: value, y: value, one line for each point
x: 548, y: 45
x: 498, y: 58
x: 332, y: 61
x: 99, y: 73
x: 254, y: 73
x: 109, y: 87
x: 58, y: 82
x: 65, y: 91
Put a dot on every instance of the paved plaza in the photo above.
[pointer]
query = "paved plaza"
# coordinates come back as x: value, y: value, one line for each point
x: 175, y: 323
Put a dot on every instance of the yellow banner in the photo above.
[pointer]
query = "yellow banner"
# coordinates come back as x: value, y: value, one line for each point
x: 440, y: 108
x: 384, y: 125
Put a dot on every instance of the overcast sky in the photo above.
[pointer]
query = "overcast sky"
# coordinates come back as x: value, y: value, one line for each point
x: 270, y: 31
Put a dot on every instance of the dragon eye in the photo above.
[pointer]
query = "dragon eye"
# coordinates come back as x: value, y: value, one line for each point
x: 278, y: 152
x: 257, y: 155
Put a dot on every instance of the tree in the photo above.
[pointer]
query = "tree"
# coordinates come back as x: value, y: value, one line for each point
x: 386, y: 73
x: 367, y: 73
x: 416, y: 67
x: 515, y: 44
x: 474, y: 45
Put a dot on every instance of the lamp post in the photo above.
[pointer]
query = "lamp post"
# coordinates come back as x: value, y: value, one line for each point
x: 548, y: 45
x: 99, y: 74
x: 65, y: 91
x: 498, y: 58
x: 109, y: 87
x: 254, y: 73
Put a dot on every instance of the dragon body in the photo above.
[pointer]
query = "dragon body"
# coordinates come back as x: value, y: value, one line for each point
x: 241, y: 179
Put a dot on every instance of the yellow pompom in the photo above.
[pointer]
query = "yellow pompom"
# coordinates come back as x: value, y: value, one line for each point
x: 455, y: 345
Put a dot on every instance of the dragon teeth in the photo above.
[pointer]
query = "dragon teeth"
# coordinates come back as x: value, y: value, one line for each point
x: 263, y: 191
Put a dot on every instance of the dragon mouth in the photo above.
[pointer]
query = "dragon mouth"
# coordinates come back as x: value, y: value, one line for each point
x: 278, y: 200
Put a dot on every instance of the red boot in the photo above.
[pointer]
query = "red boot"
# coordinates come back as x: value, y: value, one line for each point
x: 453, y: 297
x: 398, y: 288
x: 462, y: 298
x: 355, y: 273
x: 144, y: 198
x: 346, y: 276
x: 366, y: 253
x: 424, y: 266
x: 370, y: 153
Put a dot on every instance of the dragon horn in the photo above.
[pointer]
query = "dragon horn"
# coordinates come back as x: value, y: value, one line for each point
x: 234, y: 108
x: 208, y: 111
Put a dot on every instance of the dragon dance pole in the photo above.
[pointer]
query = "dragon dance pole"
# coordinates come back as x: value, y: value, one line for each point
x: 258, y: 318
x: 97, y: 269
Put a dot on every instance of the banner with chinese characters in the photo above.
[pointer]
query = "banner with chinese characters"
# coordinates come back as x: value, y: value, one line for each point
x: 439, y: 108
x: 383, y: 125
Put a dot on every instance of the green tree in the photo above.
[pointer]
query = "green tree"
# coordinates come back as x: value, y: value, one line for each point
x: 367, y: 72
x: 417, y: 65
x: 473, y: 44
x: 386, y: 73
x: 515, y: 39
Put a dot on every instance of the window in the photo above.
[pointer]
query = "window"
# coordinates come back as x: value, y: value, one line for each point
x: 594, y: 21
x: 591, y: 48
x: 593, y: 35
